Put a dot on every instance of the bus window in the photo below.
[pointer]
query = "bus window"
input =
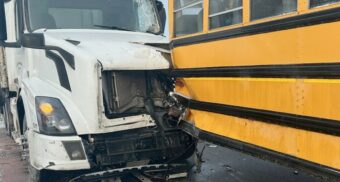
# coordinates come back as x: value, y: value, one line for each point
x: 188, y: 17
x: 224, y: 13
x: 315, y: 3
x: 268, y: 8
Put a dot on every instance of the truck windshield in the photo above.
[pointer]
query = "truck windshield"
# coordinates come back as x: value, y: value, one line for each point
x: 126, y: 15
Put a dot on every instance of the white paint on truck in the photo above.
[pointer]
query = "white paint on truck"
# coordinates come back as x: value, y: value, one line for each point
x: 67, y: 67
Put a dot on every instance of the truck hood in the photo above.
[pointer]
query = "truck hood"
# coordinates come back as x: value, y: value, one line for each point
x: 116, y: 50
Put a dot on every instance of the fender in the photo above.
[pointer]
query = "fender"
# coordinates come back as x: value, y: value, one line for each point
x: 29, y: 110
x: 36, y: 87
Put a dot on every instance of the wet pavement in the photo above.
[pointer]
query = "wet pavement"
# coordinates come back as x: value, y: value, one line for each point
x: 12, y: 168
x: 220, y: 164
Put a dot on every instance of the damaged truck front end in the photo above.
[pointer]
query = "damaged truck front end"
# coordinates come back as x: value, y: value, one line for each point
x: 139, y: 101
x: 91, y: 86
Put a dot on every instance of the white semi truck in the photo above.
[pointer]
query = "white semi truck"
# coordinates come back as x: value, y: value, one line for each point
x: 84, y: 84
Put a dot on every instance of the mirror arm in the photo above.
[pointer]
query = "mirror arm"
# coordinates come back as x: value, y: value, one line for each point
x: 10, y: 44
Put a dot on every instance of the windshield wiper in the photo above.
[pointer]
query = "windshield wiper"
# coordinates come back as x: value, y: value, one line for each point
x: 113, y: 28
x: 121, y: 28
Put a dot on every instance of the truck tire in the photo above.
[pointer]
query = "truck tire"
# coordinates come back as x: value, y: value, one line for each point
x: 34, y: 174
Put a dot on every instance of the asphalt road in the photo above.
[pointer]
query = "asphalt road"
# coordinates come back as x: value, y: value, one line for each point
x: 220, y: 164
x: 12, y: 168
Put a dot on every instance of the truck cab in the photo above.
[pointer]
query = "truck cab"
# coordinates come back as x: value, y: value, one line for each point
x: 86, y: 84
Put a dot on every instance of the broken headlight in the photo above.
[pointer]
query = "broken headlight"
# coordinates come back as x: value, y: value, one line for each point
x: 53, y: 118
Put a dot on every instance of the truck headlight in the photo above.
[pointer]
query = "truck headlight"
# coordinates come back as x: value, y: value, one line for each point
x: 53, y: 118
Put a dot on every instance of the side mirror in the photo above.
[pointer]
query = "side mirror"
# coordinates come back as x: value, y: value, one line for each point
x: 3, y: 28
x: 162, y: 13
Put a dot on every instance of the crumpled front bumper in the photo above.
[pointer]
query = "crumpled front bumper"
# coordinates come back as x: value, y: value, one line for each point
x: 55, y: 153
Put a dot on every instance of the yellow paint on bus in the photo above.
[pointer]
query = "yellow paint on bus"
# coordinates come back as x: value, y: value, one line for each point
x: 311, y: 97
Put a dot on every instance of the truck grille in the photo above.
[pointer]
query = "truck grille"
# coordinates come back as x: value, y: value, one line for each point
x: 137, y: 145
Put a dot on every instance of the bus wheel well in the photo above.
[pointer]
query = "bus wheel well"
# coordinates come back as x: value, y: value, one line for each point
x: 21, y: 113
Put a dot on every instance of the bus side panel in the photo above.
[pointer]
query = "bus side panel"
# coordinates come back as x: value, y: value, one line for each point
x: 299, y: 95
x: 307, y: 97
x: 313, y: 44
x: 311, y: 146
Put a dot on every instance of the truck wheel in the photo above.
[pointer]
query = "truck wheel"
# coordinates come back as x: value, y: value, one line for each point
x: 34, y: 174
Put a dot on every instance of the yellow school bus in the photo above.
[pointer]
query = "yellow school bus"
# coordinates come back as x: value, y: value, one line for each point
x: 262, y: 76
